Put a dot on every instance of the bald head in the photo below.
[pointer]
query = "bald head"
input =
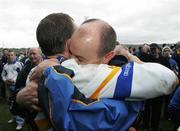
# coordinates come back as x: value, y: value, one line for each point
x: 94, y: 37
x: 105, y: 33
x: 35, y: 55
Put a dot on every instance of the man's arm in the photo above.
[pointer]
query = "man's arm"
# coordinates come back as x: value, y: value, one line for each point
x: 28, y: 95
x: 152, y: 80
x: 133, y: 80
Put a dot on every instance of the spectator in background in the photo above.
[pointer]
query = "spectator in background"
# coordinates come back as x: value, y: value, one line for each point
x: 35, y: 57
x: 164, y: 45
x: 26, y: 57
x: 176, y: 56
x: 4, y: 57
x: 2, y: 91
x: 174, y: 109
x: 9, y: 75
x: 152, y: 111
x: 21, y: 55
x: 144, y: 53
x: 3, y: 62
x: 170, y: 63
x: 130, y: 49
x: 134, y: 52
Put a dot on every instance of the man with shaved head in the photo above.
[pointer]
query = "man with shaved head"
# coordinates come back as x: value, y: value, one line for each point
x: 93, y: 42
x: 35, y: 57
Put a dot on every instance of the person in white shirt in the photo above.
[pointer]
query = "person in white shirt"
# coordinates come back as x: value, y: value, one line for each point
x: 9, y: 75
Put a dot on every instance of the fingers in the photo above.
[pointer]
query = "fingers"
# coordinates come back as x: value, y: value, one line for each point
x: 36, y: 108
x: 132, y: 129
x: 34, y: 101
x: 28, y: 96
x: 38, y: 71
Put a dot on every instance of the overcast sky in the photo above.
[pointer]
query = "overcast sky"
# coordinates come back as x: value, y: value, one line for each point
x: 135, y: 21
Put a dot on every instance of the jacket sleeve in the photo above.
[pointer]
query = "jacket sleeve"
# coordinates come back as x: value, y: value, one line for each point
x: 145, y: 81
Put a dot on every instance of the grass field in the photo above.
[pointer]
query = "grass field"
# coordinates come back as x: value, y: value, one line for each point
x: 5, y: 116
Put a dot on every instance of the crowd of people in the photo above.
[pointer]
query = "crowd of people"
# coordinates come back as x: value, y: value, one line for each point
x: 81, y: 78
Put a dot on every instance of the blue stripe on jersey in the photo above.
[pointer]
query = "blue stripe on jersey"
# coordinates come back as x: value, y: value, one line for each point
x: 124, y: 81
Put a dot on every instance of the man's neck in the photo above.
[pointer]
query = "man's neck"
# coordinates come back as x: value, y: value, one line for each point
x: 59, y: 57
x: 55, y: 56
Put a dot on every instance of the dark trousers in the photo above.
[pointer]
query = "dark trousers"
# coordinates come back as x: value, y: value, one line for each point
x: 2, y: 89
x: 152, y: 113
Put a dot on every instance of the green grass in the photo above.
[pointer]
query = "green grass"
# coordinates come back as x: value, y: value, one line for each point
x: 5, y: 116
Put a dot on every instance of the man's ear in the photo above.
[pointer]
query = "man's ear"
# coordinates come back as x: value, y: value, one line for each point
x: 108, y: 57
x: 66, y: 48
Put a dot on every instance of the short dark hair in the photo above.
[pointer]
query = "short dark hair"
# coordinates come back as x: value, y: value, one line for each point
x: 53, y: 31
x: 108, y: 38
x: 11, y: 50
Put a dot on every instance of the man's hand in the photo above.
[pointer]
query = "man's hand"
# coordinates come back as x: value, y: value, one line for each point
x: 134, y: 58
x: 132, y: 129
x: 120, y: 50
x: 37, y: 73
x: 28, y: 96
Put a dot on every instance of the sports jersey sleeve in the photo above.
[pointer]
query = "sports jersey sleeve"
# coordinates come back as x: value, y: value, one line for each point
x: 133, y: 80
x: 146, y: 80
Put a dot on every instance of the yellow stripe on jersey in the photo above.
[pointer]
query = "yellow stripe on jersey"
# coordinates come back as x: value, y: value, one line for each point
x: 105, y: 81
x: 81, y: 102
x: 64, y: 74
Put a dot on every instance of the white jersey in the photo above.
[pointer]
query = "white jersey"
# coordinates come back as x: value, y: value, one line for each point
x: 10, y: 71
x: 137, y: 81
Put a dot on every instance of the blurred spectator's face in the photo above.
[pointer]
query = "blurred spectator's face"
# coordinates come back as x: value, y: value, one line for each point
x: 146, y: 49
x: 178, y: 49
x: 5, y: 52
x: 155, y: 51
x: 166, y: 52
x: 158, y: 50
x: 11, y: 56
x: 35, y: 55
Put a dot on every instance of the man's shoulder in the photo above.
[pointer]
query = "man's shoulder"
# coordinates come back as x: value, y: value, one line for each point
x: 19, y: 63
